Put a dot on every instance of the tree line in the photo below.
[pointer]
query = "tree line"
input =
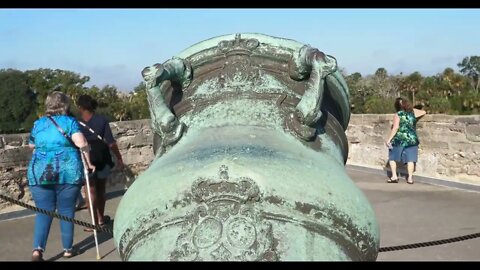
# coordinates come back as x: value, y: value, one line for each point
x: 22, y: 97
x: 449, y: 92
x: 22, y: 93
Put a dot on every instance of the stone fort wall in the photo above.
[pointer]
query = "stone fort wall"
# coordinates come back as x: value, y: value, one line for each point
x: 449, y: 149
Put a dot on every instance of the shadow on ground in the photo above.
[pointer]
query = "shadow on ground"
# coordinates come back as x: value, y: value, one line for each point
x: 88, y: 243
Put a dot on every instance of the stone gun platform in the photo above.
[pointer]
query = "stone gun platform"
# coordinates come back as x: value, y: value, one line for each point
x: 406, y: 214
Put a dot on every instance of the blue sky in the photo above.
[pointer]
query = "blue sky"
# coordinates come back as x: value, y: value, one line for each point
x: 113, y: 45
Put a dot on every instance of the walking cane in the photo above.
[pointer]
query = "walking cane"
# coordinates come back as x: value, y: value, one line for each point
x: 90, y: 204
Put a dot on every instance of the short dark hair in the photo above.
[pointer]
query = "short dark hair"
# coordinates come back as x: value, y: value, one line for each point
x: 402, y: 104
x: 86, y: 102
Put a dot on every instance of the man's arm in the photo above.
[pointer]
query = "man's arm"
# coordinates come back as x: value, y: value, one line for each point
x: 116, y: 152
x: 112, y: 144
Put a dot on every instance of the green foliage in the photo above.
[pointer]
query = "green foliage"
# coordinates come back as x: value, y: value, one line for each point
x: 447, y: 92
x: 470, y: 67
x: 469, y: 103
x: 23, y: 94
x: 17, y: 101
x: 42, y: 81
x: 377, y: 104
x: 381, y: 73
x: 438, y: 105
x: 138, y: 102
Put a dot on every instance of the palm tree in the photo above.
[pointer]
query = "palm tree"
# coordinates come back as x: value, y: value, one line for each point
x: 470, y: 67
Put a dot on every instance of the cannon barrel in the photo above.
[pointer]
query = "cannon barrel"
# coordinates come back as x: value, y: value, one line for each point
x: 250, y: 152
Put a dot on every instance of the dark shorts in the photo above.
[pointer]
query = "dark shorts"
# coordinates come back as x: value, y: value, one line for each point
x: 403, y: 154
x: 104, y: 173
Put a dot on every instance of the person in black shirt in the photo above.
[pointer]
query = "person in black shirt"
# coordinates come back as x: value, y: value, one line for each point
x: 96, y: 130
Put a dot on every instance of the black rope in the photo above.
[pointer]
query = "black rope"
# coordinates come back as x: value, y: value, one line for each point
x: 382, y: 249
x: 430, y: 243
x: 56, y: 215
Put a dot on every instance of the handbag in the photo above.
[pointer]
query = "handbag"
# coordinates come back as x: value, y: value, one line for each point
x: 99, y: 150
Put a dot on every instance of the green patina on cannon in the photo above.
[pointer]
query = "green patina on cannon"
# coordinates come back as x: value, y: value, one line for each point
x: 250, y: 151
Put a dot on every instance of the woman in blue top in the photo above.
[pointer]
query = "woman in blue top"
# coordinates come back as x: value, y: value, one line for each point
x: 403, y: 140
x: 55, y: 173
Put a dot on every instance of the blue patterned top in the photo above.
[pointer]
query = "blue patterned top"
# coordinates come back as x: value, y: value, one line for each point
x: 55, y: 160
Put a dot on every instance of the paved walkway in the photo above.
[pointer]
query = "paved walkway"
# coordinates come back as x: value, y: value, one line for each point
x: 406, y: 214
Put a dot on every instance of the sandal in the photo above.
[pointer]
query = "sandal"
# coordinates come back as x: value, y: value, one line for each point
x: 87, y: 229
x: 410, y: 182
x: 106, y: 220
x: 391, y: 180
x: 67, y: 254
x: 38, y: 257
x: 81, y: 207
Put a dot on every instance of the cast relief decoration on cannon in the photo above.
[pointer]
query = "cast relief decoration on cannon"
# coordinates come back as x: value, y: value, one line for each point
x: 226, y: 225
x: 237, y: 70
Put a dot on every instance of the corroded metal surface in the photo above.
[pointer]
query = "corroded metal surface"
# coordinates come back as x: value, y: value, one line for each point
x: 250, y: 152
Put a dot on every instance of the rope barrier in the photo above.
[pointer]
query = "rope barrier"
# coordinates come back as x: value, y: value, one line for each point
x: 108, y: 230
x: 55, y: 214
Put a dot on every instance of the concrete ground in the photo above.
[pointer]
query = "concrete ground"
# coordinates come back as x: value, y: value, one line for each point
x: 406, y: 214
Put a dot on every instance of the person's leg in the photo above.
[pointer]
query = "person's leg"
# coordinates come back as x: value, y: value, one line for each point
x: 66, y: 199
x: 92, y: 194
x: 411, y: 157
x: 44, y: 198
x: 410, y: 166
x: 100, y: 186
x: 101, y: 199
x: 84, y: 191
x: 394, y: 155
x: 393, y: 167
x: 80, y: 200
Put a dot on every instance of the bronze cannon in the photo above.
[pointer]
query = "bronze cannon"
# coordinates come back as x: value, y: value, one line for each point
x: 250, y: 151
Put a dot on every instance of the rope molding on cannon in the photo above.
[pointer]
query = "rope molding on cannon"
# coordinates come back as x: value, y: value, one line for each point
x: 108, y: 230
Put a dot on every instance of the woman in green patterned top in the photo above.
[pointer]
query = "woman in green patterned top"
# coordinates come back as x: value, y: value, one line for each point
x: 403, y: 140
